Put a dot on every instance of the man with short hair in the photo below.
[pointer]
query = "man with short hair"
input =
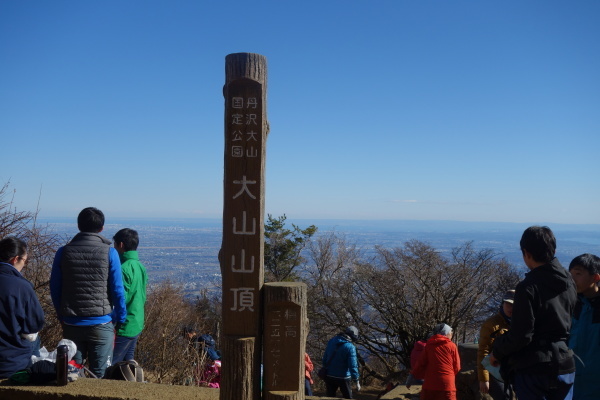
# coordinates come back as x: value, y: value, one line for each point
x: 85, y: 285
x: 135, y: 280
x: 534, y: 355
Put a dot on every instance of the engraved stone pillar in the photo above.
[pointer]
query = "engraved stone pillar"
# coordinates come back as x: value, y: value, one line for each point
x: 241, y: 255
x: 285, y: 331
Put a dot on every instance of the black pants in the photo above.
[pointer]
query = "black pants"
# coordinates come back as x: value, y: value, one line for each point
x: 497, y: 389
x: 334, y: 383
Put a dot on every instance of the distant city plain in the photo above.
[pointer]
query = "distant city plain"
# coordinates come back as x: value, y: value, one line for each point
x: 185, y: 251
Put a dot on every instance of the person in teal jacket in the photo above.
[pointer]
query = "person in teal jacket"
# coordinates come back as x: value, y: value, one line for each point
x: 585, y: 327
x: 341, y: 363
x: 135, y: 280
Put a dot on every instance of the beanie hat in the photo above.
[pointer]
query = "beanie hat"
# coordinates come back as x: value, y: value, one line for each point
x: 352, y: 331
x: 442, y: 329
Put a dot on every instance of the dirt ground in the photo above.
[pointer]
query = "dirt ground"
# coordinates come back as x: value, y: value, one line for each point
x: 366, y: 393
x: 115, y: 390
x: 372, y: 392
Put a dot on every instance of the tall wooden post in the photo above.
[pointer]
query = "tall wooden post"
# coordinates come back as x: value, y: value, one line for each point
x: 242, y: 250
x: 286, y: 328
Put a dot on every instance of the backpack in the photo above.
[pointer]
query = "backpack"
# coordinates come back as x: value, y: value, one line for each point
x: 207, y: 340
x: 125, y: 371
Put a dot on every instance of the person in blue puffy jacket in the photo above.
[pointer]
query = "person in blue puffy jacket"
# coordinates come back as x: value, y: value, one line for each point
x: 341, y: 363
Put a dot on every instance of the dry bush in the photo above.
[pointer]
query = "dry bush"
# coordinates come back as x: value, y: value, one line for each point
x: 163, y: 350
x: 42, y: 248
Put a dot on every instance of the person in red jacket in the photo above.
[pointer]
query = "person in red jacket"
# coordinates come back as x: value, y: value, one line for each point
x: 438, y: 366
x: 308, y: 369
x: 415, y: 354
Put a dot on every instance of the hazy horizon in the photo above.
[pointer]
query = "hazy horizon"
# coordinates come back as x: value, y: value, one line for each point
x: 187, y: 250
x: 332, y: 222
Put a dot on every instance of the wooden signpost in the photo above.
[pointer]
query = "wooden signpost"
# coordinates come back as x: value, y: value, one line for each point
x: 242, y: 250
x: 242, y: 255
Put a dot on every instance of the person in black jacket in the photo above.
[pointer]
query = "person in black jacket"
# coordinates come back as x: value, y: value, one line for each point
x: 21, y: 315
x: 533, y: 355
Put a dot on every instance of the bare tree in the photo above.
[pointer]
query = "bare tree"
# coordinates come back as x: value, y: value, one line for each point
x: 332, y: 261
x: 398, y: 296
x: 12, y: 221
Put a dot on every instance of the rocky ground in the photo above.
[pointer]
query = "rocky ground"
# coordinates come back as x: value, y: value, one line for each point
x: 373, y: 392
x: 466, y: 384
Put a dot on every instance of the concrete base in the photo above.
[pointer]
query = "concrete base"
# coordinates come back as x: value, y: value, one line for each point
x: 104, y: 389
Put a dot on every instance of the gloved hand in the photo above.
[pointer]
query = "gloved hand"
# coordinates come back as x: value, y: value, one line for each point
x: 409, y: 381
x: 357, y: 386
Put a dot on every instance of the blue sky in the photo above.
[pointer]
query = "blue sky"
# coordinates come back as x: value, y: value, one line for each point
x: 424, y: 110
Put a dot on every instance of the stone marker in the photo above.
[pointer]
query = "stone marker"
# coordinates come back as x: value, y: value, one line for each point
x: 285, y: 331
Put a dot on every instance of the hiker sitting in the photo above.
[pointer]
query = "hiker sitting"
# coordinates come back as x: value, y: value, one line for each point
x: 210, y: 373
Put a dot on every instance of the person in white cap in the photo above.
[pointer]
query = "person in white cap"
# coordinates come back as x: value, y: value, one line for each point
x: 438, y: 365
x: 490, y: 330
x: 341, y: 363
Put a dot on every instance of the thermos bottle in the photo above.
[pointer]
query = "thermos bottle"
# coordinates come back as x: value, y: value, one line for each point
x: 62, y: 358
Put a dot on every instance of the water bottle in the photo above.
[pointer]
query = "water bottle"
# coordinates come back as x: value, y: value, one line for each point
x: 62, y: 359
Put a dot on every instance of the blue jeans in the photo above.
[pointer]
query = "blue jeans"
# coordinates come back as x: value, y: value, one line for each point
x: 124, y: 348
x: 94, y: 343
x: 307, y: 388
x: 35, y: 346
x: 544, y: 387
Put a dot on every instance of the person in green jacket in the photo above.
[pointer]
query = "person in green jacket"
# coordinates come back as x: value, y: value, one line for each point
x: 135, y: 280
